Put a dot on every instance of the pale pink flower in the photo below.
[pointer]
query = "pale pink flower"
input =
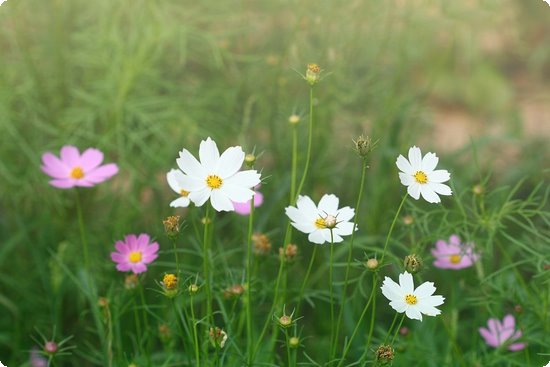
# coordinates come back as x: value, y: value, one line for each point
x: 134, y: 253
x: 454, y: 254
x: 503, y: 333
x: 37, y: 359
x: 74, y: 169
x: 244, y: 208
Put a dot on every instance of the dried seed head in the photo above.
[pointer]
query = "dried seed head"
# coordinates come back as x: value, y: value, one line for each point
x: 103, y: 302
x: 235, y: 291
x: 131, y: 281
x: 262, y: 244
x: 218, y: 337
x: 288, y: 253
x: 165, y: 334
x: 313, y: 73
x: 172, y: 226
x: 364, y: 145
x: 413, y: 263
x: 330, y: 221
x: 384, y: 354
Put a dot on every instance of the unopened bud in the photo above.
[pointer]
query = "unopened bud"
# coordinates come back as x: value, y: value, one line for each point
x: 294, y: 119
x: 235, y: 291
x: 371, y: 264
x: 413, y: 263
x: 313, y: 73
x: 364, y: 145
x: 50, y: 347
x: 249, y: 160
x: 293, y: 342
x: 193, y: 289
x: 478, y: 189
x: 330, y: 221
x: 408, y: 220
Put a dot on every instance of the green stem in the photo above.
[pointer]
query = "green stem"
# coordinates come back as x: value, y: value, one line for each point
x: 248, y: 282
x: 288, y: 356
x: 206, y: 266
x: 331, y: 292
x: 309, y: 144
x: 304, y: 282
x: 350, y: 252
x: 391, y: 227
x: 176, y: 255
x: 391, y: 327
x: 294, y: 163
x: 398, y: 328
x: 145, y: 322
x: 83, y: 239
x: 195, y: 336
x: 359, y: 322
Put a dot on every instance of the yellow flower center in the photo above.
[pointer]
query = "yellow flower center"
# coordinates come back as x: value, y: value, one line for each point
x: 77, y: 173
x: 421, y: 177
x: 411, y: 299
x: 455, y: 259
x: 135, y: 256
x: 184, y: 193
x: 170, y: 281
x: 320, y: 223
x: 214, y: 182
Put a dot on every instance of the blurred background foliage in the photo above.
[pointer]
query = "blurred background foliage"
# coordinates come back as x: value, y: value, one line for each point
x: 141, y: 79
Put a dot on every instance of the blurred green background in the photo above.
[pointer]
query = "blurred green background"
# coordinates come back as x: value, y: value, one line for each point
x: 141, y: 79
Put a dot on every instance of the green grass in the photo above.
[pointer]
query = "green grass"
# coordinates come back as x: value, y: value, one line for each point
x: 141, y: 80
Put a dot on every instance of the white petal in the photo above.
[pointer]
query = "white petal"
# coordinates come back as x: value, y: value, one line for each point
x: 399, y: 305
x: 200, y: 197
x: 406, y: 283
x: 406, y: 179
x: 316, y: 237
x: 189, y: 164
x: 344, y: 228
x: 247, y: 179
x: 230, y: 162
x: 413, y: 313
x: 334, y: 238
x: 429, y: 194
x: 328, y: 204
x: 237, y: 194
x: 414, y: 190
x: 429, y: 162
x: 189, y: 183
x: 304, y: 227
x: 439, y: 176
x: 429, y: 310
x: 221, y: 202
x: 432, y: 301
x: 172, y: 182
x: 209, y: 154
x: 307, y: 207
x: 424, y: 290
x: 415, y: 159
x: 296, y: 215
x: 345, y: 214
x: 391, y: 290
x: 441, y: 189
x: 404, y: 165
x: 181, y: 202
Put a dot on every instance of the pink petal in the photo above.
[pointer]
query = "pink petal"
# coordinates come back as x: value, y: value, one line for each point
x: 102, y: 173
x: 122, y: 247
x: 454, y: 240
x: 143, y: 240
x: 90, y: 159
x: 489, y: 337
x: 139, y: 268
x: 244, y: 208
x: 63, y: 184
x: 123, y: 266
x: 53, y: 167
x: 118, y: 258
x: 151, y: 250
x: 70, y: 156
x: 147, y: 259
x: 131, y: 241
x: 516, y: 346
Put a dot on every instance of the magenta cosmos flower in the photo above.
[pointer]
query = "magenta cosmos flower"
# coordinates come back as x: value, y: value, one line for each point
x: 244, y: 208
x: 454, y: 254
x: 502, y: 333
x: 74, y: 169
x: 134, y: 253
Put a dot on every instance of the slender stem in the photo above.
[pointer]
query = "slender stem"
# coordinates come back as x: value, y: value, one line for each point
x: 206, y: 266
x: 391, y: 327
x: 195, y: 336
x: 391, y: 227
x: 288, y: 356
x: 176, y: 255
x: 306, y: 277
x: 398, y: 328
x: 83, y: 239
x: 331, y: 292
x: 350, y: 252
x: 294, y: 163
x: 248, y: 282
x: 359, y: 322
x: 145, y: 322
x: 309, y: 143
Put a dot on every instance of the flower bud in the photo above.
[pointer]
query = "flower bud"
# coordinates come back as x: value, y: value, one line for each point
x: 478, y: 189
x: 313, y: 73
x: 330, y: 221
x: 285, y: 321
x: 50, y: 347
x: 131, y: 281
x: 233, y: 292
x: 371, y: 264
x: 170, y: 285
x: 364, y: 145
x: 408, y: 220
x: 413, y: 263
x: 165, y: 334
x: 103, y: 302
x: 172, y: 226
x: 193, y: 289
x: 294, y: 119
x: 293, y: 342
x: 249, y: 160
x: 384, y: 354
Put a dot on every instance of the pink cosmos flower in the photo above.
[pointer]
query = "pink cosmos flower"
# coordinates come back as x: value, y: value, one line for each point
x: 244, y: 208
x: 454, y: 255
x: 502, y: 333
x: 134, y: 253
x: 74, y: 169
x: 37, y: 359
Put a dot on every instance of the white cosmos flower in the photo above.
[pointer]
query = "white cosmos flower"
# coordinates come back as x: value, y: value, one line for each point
x: 216, y: 177
x: 414, y: 302
x: 319, y: 221
x: 175, y: 180
x: 420, y: 176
